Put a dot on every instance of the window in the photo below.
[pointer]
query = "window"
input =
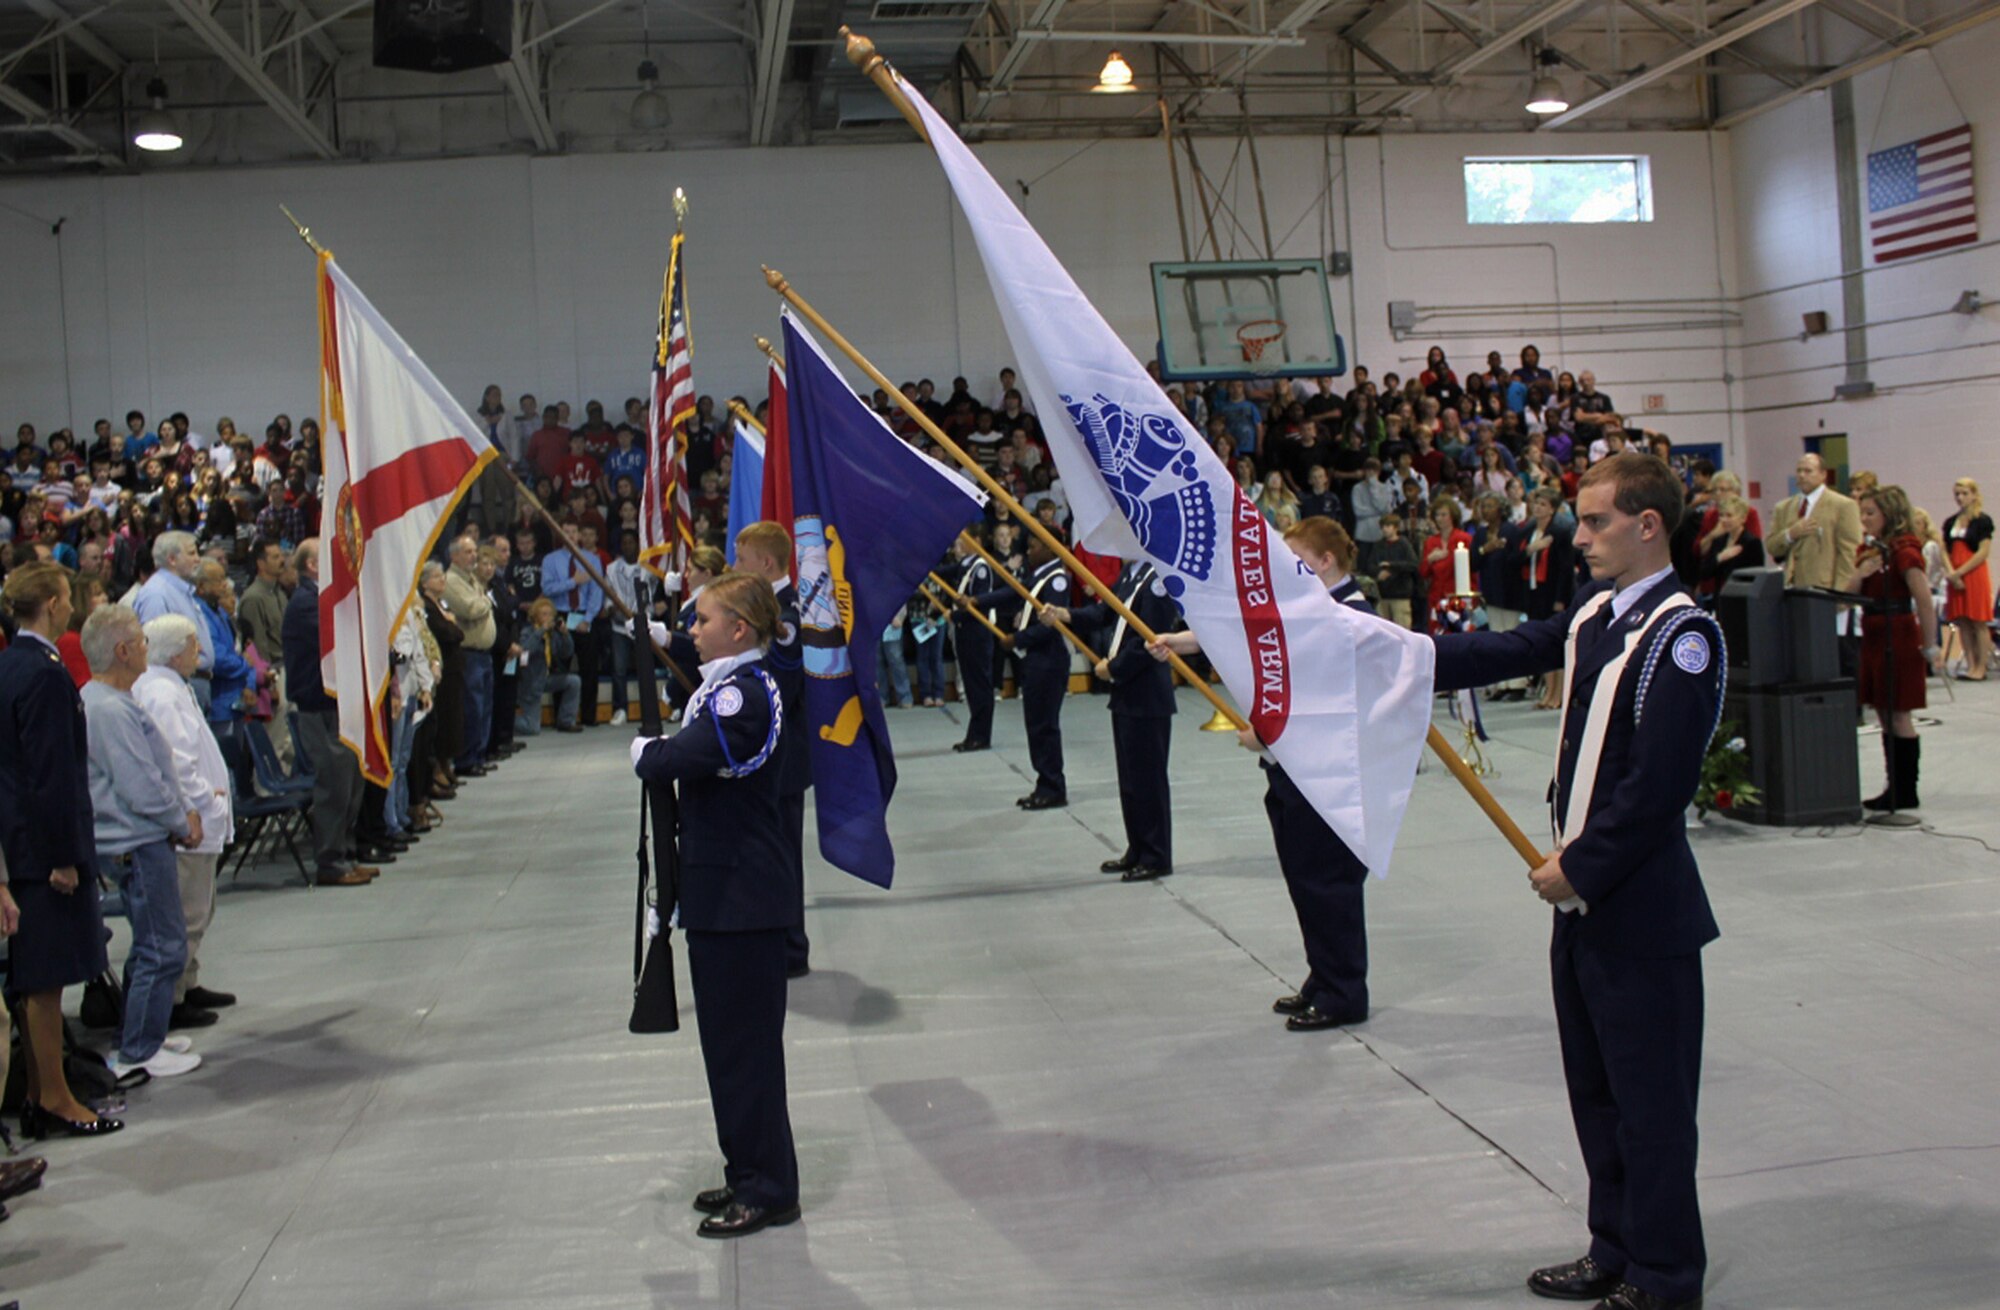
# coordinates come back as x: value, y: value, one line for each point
x: 1574, y: 189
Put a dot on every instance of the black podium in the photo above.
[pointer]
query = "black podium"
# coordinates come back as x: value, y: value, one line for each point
x: 1795, y: 713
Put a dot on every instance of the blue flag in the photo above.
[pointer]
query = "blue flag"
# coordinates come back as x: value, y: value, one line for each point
x: 746, y: 484
x: 872, y: 516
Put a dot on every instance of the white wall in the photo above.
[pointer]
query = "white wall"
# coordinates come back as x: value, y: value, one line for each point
x: 188, y: 290
x: 1934, y: 410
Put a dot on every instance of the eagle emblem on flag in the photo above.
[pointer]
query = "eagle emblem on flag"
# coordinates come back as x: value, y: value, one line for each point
x: 1152, y: 473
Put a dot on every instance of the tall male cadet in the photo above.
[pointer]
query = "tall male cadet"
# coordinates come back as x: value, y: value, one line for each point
x: 1044, y: 667
x: 1644, y: 673
x: 765, y: 549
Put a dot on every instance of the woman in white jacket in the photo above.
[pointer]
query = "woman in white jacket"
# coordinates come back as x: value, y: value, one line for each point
x: 173, y: 648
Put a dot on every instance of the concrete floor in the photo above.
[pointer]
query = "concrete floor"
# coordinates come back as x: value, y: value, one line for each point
x: 1018, y: 1083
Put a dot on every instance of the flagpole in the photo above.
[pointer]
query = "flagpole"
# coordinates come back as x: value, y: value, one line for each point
x: 958, y: 597
x: 736, y: 408
x: 970, y: 465
x: 862, y: 54
x: 1034, y: 602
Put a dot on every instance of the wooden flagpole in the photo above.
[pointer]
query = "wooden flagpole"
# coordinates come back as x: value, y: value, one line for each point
x: 862, y: 54
x: 1034, y: 602
x: 959, y: 599
x: 993, y: 488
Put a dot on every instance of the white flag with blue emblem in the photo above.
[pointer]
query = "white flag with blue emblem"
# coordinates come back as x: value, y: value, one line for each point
x: 1341, y: 699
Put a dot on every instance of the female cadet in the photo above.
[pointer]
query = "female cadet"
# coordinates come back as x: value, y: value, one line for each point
x: 1324, y: 877
x: 739, y: 894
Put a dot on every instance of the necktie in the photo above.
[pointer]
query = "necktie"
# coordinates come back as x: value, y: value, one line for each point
x: 1592, y: 632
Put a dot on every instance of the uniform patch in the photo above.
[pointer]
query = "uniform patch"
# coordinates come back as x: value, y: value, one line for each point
x: 1691, y: 652
x: 1159, y: 587
x: 727, y: 702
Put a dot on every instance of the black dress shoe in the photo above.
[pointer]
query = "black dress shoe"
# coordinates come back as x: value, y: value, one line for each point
x: 1040, y: 801
x: 19, y: 1176
x: 189, y: 1015
x: 715, y: 1200
x: 209, y: 999
x: 1312, y: 1019
x: 1145, y: 872
x: 965, y: 746
x: 371, y: 853
x: 799, y: 970
x: 741, y: 1220
x: 1628, y: 1297
x: 1293, y: 1004
x: 37, y: 1124
x: 1118, y: 865
x: 1579, y: 1280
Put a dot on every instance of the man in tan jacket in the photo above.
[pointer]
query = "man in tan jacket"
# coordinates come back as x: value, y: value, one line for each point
x: 1815, y: 534
x: 473, y: 608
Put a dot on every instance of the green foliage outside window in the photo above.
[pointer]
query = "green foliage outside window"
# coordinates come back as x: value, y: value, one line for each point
x: 1577, y: 190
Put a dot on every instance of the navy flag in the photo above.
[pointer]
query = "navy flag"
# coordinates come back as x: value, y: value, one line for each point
x: 871, y: 517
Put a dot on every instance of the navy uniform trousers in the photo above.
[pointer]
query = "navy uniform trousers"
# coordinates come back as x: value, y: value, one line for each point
x: 739, y: 1005
x: 1142, y: 708
x: 1626, y: 977
x: 1044, y: 685
x: 1140, y: 744
x: 1325, y: 880
x: 972, y: 644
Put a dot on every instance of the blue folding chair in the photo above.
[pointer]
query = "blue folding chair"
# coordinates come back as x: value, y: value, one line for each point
x: 270, y: 774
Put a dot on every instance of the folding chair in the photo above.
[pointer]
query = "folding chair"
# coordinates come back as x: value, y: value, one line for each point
x: 256, y: 815
x: 271, y: 776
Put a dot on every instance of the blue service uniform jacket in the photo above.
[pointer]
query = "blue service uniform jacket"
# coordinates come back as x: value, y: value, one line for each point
x: 1631, y: 864
x: 786, y: 662
x: 737, y: 874
x: 1042, y: 649
x: 1141, y: 686
x: 46, y: 821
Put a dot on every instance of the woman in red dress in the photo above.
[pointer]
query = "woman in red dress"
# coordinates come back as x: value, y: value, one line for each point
x: 1968, y: 597
x: 1439, y: 551
x: 1894, y: 648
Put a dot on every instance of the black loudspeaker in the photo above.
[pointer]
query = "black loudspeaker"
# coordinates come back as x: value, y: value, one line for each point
x: 442, y: 36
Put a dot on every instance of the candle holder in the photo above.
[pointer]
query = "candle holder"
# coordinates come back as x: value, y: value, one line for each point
x: 1466, y: 612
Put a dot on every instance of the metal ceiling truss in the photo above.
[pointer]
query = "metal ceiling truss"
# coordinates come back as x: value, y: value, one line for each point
x: 248, y: 62
x: 1745, y: 23
x: 522, y: 75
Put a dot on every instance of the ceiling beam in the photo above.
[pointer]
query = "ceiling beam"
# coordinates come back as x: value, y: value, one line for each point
x: 1681, y: 29
x: 1502, y: 42
x: 522, y: 76
x: 1751, y: 20
x: 41, y: 118
x: 1476, y: 32
x: 311, y: 28
x: 1290, y: 25
x: 774, y: 24
x: 1017, y: 54
x: 1930, y: 37
x: 1160, y: 38
x: 250, y: 70
x: 79, y: 36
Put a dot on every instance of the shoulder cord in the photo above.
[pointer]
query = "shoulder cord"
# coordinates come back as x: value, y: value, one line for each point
x: 1663, y: 641
x: 730, y: 768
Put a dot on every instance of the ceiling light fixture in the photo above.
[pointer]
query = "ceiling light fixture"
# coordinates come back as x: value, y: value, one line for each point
x: 1546, y: 96
x: 156, y: 129
x: 649, y: 107
x: 1116, y: 77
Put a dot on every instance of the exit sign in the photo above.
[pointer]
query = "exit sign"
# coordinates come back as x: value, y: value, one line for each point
x: 1654, y: 403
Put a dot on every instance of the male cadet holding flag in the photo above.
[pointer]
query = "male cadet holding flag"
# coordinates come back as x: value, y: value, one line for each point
x: 973, y: 646
x: 1142, y: 722
x: 1644, y: 669
x: 1044, y: 670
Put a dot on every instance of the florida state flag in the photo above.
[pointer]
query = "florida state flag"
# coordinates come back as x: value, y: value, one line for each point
x: 399, y: 453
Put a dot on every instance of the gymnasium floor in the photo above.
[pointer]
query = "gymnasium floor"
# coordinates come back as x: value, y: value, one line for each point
x: 1017, y: 1083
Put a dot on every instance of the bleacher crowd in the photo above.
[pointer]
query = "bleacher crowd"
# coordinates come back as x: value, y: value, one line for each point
x: 169, y: 577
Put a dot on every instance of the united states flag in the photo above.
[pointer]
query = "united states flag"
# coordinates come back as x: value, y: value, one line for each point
x: 666, y: 519
x: 1920, y: 196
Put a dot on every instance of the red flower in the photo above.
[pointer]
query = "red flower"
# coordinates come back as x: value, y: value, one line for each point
x: 1723, y: 800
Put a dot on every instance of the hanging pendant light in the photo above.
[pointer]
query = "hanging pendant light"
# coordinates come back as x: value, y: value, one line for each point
x: 649, y: 107
x: 155, y: 129
x: 1546, y: 96
x: 1116, y: 77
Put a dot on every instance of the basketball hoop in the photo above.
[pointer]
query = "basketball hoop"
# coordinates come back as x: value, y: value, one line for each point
x: 1258, y: 337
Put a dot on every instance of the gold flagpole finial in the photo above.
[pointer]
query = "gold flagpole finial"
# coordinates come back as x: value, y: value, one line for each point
x: 775, y: 280
x: 764, y: 344
x: 862, y: 54
x: 680, y: 208
x: 305, y: 233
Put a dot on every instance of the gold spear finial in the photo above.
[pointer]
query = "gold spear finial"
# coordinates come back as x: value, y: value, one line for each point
x: 305, y: 233
x: 862, y: 54
x: 776, y: 280
x: 680, y: 207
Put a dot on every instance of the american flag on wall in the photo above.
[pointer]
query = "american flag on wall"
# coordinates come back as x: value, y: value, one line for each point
x: 666, y: 518
x: 1920, y: 196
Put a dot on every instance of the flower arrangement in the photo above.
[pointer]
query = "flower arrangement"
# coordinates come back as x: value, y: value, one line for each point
x: 1725, y: 774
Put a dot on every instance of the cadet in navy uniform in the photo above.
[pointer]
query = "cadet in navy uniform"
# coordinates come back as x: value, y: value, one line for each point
x: 766, y: 549
x: 1324, y: 877
x: 1142, y: 718
x: 973, y: 646
x: 739, y: 897
x: 1645, y: 680
x: 1044, y: 656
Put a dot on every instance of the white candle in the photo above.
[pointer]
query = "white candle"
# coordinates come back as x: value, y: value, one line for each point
x: 1461, y: 570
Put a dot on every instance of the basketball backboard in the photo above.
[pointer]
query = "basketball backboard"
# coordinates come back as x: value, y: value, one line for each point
x: 1246, y: 319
